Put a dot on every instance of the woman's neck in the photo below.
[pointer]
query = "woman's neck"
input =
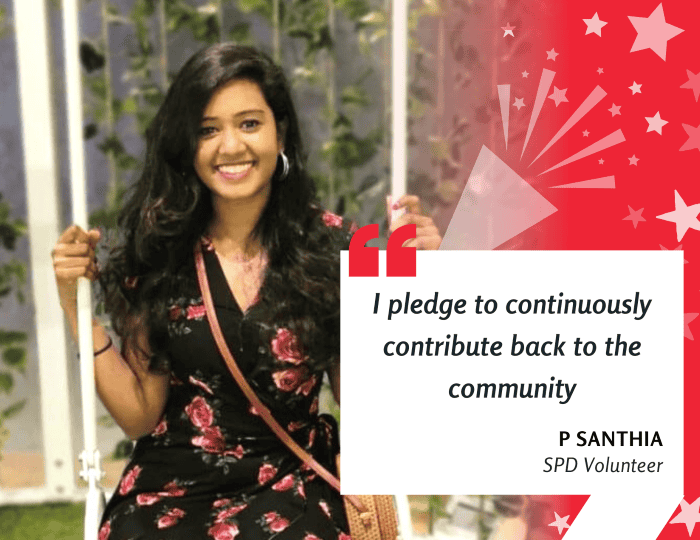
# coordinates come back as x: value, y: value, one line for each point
x: 231, y: 229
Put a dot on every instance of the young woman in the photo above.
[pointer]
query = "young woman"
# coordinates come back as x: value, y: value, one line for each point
x: 224, y: 169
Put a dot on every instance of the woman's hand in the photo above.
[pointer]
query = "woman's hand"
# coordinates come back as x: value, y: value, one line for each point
x: 73, y: 257
x: 427, y: 234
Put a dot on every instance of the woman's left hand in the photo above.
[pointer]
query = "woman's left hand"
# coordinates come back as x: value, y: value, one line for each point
x: 427, y: 234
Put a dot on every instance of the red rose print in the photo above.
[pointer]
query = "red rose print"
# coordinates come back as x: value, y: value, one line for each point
x: 166, y: 521
x: 275, y: 522
x: 266, y: 473
x: 237, y: 452
x: 310, y: 536
x: 312, y: 437
x: 147, y: 499
x: 171, y: 518
x: 220, y: 502
x: 172, y: 490
x: 286, y: 483
x: 200, y: 413
x: 129, y: 479
x: 252, y: 410
x: 324, y: 506
x: 230, y: 512
x: 201, y: 385
x: 288, y: 379
x: 161, y: 428
x: 196, y: 312
x: 285, y: 347
x: 308, y: 385
x: 300, y: 490
x: 175, y: 312
x: 353, y: 227
x: 294, y: 426
x: 279, y: 524
x: 223, y: 531
x: 211, y: 441
x: 331, y: 220
x: 314, y: 406
x: 104, y: 531
x: 343, y: 536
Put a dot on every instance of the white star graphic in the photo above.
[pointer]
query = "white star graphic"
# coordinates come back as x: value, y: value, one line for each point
x: 636, y: 88
x: 586, y: 133
x: 693, y: 83
x: 552, y: 55
x: 600, y: 71
x: 633, y: 160
x: 508, y: 29
x: 653, y: 32
x: 655, y: 123
x: 689, y: 317
x: 601, y: 161
x: 635, y: 216
x: 594, y: 24
x: 615, y: 110
x: 689, y: 516
x: 525, y: 74
x: 519, y: 103
x: 558, y: 96
x: 560, y: 522
x: 685, y: 217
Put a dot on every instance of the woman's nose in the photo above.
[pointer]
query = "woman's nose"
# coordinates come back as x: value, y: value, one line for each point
x: 231, y: 142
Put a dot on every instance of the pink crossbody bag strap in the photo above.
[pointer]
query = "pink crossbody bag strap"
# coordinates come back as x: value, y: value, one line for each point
x: 248, y: 391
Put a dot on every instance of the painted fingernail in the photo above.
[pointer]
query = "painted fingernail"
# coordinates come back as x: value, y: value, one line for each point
x: 395, y: 206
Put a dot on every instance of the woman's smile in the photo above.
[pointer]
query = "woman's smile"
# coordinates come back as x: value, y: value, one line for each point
x: 235, y: 172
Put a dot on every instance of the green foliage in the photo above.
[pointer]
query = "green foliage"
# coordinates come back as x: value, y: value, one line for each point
x: 41, y: 522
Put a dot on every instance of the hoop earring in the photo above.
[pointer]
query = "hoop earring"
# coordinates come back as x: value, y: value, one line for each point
x: 285, y: 166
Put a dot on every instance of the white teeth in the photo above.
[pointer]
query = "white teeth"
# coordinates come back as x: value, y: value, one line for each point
x: 235, y: 169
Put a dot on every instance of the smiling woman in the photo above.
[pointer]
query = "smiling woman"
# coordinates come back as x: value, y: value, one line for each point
x: 224, y: 178
x: 238, y: 146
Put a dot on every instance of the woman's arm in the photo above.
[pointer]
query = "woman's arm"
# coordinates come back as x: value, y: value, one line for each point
x: 133, y: 396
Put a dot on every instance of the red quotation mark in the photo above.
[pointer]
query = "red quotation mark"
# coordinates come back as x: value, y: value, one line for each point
x: 400, y: 261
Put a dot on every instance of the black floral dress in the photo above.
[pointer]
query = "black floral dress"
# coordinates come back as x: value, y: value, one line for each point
x: 212, y: 469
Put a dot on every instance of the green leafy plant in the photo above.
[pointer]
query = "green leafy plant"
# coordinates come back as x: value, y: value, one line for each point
x: 12, y: 342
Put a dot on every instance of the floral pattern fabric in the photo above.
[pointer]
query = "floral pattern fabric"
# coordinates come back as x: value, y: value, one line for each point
x: 212, y: 469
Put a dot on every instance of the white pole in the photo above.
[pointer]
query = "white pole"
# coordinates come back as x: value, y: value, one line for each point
x: 399, y: 103
x: 43, y: 216
x: 90, y: 458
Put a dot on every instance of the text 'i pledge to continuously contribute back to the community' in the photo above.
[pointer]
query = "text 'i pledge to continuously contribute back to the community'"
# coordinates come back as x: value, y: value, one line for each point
x: 552, y: 305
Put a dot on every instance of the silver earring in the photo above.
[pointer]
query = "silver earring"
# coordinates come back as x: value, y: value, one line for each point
x: 285, y: 166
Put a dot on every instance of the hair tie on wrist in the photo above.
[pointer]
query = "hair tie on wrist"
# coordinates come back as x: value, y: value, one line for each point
x: 103, y: 349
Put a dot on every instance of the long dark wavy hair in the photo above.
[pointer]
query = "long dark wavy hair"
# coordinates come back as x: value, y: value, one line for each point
x: 168, y: 209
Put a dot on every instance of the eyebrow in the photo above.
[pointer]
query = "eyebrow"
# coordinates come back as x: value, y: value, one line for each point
x: 241, y: 113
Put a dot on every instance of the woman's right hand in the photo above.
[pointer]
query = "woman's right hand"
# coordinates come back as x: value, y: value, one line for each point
x: 73, y: 257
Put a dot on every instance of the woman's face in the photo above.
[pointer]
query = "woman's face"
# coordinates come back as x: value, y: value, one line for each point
x: 238, y: 143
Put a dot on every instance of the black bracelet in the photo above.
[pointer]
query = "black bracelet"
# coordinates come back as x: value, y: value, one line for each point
x: 105, y: 348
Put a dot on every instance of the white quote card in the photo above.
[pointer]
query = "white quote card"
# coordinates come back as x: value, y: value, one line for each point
x: 423, y: 418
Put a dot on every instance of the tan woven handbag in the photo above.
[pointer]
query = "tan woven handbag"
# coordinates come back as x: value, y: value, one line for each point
x: 370, y: 517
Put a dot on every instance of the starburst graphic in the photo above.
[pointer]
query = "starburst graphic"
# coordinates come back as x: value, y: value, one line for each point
x: 685, y: 217
x: 653, y: 32
x: 689, y: 515
x: 560, y: 522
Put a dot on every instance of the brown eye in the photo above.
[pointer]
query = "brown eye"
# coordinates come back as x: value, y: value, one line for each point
x: 250, y: 124
x: 204, y: 131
